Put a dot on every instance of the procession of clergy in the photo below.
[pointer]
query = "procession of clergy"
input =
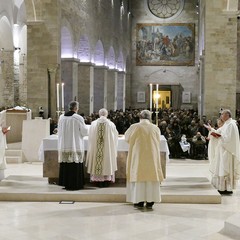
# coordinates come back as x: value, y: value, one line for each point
x: 143, y: 167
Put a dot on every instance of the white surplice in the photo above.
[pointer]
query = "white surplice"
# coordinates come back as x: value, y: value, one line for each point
x: 101, y: 159
x: 224, y: 156
x: 71, y: 130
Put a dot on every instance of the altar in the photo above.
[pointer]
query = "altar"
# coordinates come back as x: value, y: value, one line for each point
x: 49, y: 155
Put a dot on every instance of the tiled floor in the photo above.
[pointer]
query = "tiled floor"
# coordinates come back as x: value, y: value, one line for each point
x: 110, y: 221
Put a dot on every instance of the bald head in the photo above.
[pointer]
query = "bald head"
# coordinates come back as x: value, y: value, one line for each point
x: 103, y: 112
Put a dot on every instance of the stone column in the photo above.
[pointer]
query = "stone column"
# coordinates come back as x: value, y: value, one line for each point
x: 43, y: 52
x: 23, y: 80
x: 100, y: 76
x: 201, y: 84
x: 120, y: 90
x: 7, y: 69
x: 124, y: 92
x: 220, y: 58
x: 69, y: 76
x: 52, y: 97
x: 111, y: 88
x: 115, y: 91
x: 128, y: 90
x: 85, y: 87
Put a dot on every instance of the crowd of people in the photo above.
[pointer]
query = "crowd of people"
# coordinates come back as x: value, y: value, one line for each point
x: 174, y: 125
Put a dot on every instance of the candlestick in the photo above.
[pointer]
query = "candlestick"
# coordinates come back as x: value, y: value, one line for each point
x: 63, y: 96
x: 150, y: 90
x: 58, y: 96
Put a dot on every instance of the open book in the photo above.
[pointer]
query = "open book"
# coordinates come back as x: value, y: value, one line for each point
x: 216, y: 135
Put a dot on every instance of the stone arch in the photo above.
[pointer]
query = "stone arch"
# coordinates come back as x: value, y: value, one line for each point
x: 84, y: 52
x: 98, y: 57
x: 6, y: 37
x: 120, y: 62
x: 21, y: 15
x: 166, y: 76
x: 111, y: 61
x: 66, y: 43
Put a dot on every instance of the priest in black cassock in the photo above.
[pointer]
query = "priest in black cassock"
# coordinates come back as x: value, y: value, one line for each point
x: 71, y: 130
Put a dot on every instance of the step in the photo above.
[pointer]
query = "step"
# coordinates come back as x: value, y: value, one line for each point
x: 13, y: 152
x: 232, y: 226
x: 13, y: 159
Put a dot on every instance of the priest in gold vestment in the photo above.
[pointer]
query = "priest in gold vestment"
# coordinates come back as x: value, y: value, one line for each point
x: 144, y: 172
x: 102, y: 150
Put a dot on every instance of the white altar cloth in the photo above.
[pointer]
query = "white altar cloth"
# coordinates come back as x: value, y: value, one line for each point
x: 51, y: 144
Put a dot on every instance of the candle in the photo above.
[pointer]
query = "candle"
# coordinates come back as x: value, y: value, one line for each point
x: 157, y: 96
x: 150, y: 85
x: 57, y: 96
x: 62, y: 96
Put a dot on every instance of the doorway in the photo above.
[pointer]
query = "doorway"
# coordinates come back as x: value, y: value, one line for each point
x: 162, y: 99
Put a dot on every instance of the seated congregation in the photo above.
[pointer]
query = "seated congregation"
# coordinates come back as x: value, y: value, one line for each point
x: 175, y: 125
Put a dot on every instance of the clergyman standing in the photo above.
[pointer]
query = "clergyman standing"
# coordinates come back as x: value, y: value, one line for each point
x: 102, y: 150
x: 144, y: 171
x: 71, y: 130
x: 227, y: 154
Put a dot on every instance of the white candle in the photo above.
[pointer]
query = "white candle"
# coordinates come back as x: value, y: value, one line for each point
x: 57, y: 96
x: 150, y: 94
x: 62, y: 96
x: 157, y: 97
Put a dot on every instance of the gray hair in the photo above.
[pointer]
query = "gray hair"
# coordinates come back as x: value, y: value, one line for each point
x: 146, y: 114
x: 103, y: 112
x: 73, y: 105
x: 227, y: 111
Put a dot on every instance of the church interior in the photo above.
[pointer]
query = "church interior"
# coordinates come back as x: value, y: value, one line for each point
x: 177, y: 58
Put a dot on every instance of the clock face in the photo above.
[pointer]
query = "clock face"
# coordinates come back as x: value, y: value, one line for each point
x: 165, y: 8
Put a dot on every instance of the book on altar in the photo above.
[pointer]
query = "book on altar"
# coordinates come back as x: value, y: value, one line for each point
x: 214, y: 134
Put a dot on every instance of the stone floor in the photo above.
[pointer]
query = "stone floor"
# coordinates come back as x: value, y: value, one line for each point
x: 71, y: 220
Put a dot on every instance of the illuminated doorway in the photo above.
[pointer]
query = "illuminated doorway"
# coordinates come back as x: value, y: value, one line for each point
x: 162, y: 99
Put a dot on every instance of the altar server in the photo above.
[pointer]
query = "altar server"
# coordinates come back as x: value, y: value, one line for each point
x: 71, y: 130
x: 144, y: 172
x: 102, y: 150
x: 225, y: 154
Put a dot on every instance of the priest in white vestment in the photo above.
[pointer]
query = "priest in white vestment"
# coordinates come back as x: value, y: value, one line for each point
x: 212, y: 147
x: 144, y: 172
x: 101, y: 160
x: 224, y: 154
x: 71, y: 130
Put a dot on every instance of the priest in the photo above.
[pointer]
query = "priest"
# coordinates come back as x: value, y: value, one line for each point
x: 71, y: 130
x: 144, y: 172
x: 102, y: 150
x: 225, y: 164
